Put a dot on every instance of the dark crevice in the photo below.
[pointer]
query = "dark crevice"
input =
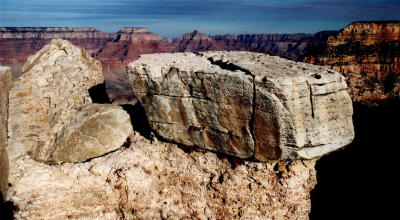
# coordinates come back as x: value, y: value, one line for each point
x: 311, y: 101
x: 7, y: 209
x: 117, y: 38
x: 221, y: 179
x: 138, y: 119
x: 98, y: 94
x: 228, y: 66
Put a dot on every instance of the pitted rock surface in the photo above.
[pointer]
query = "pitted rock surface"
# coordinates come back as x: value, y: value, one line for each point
x: 155, y: 180
x: 5, y: 84
x: 46, y: 99
x: 244, y: 104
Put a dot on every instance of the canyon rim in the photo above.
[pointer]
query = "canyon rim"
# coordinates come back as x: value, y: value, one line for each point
x: 160, y: 176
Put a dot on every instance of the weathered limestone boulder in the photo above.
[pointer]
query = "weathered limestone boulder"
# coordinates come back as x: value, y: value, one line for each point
x: 155, y: 180
x: 49, y: 113
x: 5, y: 83
x: 244, y: 104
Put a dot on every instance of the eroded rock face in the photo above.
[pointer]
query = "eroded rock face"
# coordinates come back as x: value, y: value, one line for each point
x: 161, y: 181
x: 244, y: 104
x: 190, y: 101
x: 5, y: 83
x: 54, y: 86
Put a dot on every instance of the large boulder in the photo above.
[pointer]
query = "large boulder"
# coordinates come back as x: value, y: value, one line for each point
x: 5, y: 83
x: 48, y: 99
x: 244, y: 104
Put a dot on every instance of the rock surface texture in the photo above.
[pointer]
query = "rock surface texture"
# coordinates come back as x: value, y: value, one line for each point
x: 91, y: 132
x: 5, y: 84
x: 244, y: 104
x: 49, y: 108
x: 368, y: 55
x: 154, y: 180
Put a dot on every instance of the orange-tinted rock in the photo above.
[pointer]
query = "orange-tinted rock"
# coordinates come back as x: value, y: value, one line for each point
x: 368, y: 54
x: 156, y: 180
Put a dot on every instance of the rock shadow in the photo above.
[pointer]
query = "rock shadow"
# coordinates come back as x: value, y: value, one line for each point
x: 138, y: 119
x: 98, y: 94
x: 7, y: 209
x: 358, y: 182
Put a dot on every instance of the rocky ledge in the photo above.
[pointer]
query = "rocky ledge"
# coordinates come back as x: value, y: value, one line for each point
x: 156, y: 180
x: 244, y: 104
x: 73, y: 155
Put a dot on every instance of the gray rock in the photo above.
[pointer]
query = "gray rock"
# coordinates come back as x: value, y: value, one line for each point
x: 244, y: 104
x: 190, y: 101
x: 5, y: 83
x: 91, y: 132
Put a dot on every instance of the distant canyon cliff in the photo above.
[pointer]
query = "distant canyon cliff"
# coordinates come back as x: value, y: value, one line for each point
x: 117, y: 49
x: 367, y: 53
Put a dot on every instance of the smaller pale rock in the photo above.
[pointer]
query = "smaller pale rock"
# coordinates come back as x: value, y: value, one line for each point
x: 91, y: 132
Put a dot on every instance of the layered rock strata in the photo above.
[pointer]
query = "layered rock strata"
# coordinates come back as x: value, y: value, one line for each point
x: 5, y: 84
x: 115, y: 50
x: 368, y: 55
x: 244, y: 104
x: 50, y: 117
x: 155, y: 180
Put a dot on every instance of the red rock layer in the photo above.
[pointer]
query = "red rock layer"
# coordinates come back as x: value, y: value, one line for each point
x: 115, y: 50
x: 368, y: 54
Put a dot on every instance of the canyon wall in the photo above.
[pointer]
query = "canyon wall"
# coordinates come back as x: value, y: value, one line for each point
x: 368, y: 55
x: 115, y: 50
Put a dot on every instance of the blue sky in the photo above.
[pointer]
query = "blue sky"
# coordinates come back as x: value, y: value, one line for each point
x: 172, y: 18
